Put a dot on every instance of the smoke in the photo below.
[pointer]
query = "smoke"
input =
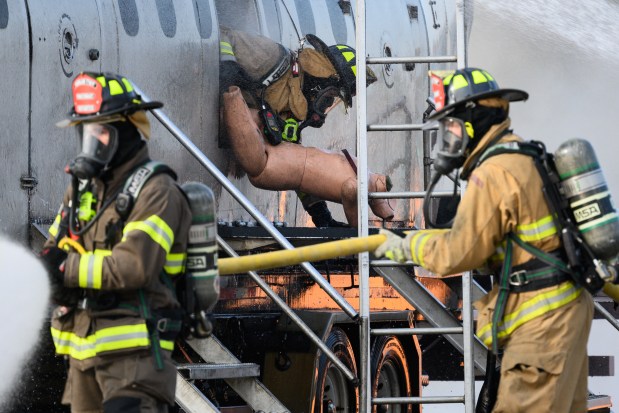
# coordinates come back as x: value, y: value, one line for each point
x: 23, y: 301
x: 566, y: 55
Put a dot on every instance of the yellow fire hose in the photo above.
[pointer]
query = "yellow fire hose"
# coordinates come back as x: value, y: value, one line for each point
x: 612, y: 290
x: 320, y: 252
x: 283, y: 258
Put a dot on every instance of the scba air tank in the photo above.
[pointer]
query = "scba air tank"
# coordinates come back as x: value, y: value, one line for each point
x: 589, y: 199
x: 201, y: 262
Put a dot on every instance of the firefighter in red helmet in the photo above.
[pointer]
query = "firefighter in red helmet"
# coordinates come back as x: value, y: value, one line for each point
x: 116, y: 319
x: 539, y: 317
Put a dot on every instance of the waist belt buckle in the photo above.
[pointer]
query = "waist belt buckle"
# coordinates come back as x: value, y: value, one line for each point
x: 518, y: 278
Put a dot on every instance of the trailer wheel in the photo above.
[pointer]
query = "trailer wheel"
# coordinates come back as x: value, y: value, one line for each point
x: 334, y: 392
x: 389, y: 373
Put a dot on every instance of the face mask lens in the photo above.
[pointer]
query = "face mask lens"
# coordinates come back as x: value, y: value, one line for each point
x: 99, y: 142
x: 453, y: 135
x: 326, y: 100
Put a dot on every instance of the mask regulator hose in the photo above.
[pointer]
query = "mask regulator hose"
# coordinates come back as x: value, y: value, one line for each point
x: 426, y: 204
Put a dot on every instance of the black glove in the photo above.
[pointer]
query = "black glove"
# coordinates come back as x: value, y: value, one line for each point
x: 53, y: 259
x: 232, y: 74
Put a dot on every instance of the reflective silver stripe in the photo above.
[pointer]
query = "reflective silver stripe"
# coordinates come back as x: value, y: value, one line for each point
x: 582, y: 183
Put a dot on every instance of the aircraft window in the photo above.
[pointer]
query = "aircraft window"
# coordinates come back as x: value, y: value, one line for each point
x: 204, y: 20
x: 4, y: 14
x: 338, y: 24
x: 271, y: 12
x: 129, y: 16
x: 306, y: 16
x: 238, y: 14
x: 167, y: 17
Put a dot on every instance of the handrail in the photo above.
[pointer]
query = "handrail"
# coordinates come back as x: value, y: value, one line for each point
x: 242, y: 199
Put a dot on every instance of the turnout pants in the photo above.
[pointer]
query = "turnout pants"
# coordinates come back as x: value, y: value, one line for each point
x: 545, y: 364
x: 130, y: 384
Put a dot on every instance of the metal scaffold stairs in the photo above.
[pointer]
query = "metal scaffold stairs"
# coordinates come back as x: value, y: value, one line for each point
x: 433, y: 311
x: 220, y: 363
x: 458, y: 333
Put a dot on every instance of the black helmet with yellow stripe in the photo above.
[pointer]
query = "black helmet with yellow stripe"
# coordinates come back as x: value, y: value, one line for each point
x: 100, y: 96
x: 343, y: 59
x: 470, y: 84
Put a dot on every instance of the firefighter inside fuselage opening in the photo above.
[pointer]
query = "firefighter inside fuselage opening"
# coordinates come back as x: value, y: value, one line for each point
x: 288, y: 91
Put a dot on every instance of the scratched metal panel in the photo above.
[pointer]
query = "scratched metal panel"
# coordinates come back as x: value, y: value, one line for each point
x: 170, y: 50
x: 62, y: 34
x: 14, y: 92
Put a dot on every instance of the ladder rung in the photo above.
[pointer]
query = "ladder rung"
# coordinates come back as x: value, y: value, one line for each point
x: 418, y: 194
x: 401, y: 126
x: 389, y: 263
x: 416, y: 331
x: 411, y: 59
x: 418, y: 400
x: 220, y: 371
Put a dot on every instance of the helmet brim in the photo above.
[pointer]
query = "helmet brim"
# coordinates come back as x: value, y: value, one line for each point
x: 511, y: 95
x: 75, y: 119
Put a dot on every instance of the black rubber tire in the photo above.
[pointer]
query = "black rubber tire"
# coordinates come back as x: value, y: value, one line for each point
x: 334, y: 392
x: 390, y: 376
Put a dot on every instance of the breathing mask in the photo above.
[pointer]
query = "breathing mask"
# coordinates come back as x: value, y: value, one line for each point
x: 454, y: 135
x: 322, y: 96
x: 99, y: 142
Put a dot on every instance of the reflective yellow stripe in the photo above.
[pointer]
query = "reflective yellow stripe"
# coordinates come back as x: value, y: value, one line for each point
x: 459, y: 82
x: 348, y: 56
x: 533, y: 308
x: 53, y: 230
x: 418, y: 242
x: 101, y: 79
x: 107, y: 339
x: 91, y: 269
x: 166, y: 344
x: 226, y: 48
x: 175, y: 263
x: 128, y: 86
x: 478, y: 77
x: 115, y: 88
x: 156, y: 228
x: 538, y: 230
x: 488, y: 75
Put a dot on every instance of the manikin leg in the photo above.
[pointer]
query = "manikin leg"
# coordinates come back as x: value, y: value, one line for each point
x: 287, y: 166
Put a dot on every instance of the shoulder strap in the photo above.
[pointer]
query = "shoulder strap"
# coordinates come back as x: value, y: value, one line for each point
x: 135, y: 183
x: 523, y: 148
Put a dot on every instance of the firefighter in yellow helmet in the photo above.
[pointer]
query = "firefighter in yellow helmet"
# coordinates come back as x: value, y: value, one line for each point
x: 116, y: 319
x: 542, y: 319
x: 287, y: 92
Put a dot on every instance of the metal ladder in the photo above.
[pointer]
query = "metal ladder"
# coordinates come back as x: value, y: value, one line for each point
x: 444, y: 323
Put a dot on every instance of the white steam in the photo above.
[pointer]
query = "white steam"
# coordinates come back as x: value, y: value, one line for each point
x: 565, y: 53
x: 23, y: 303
